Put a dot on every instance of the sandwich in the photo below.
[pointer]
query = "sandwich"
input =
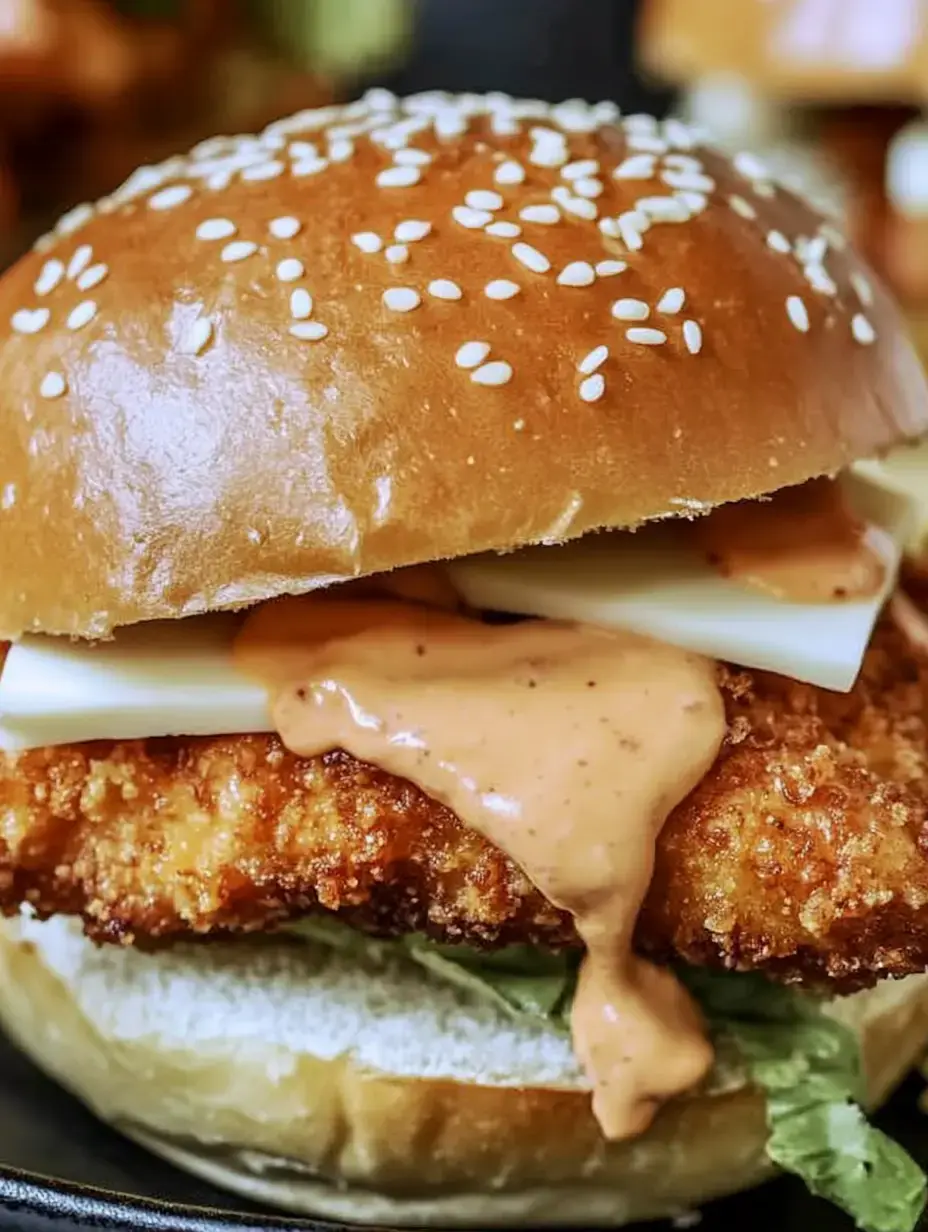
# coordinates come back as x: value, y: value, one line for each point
x: 463, y: 739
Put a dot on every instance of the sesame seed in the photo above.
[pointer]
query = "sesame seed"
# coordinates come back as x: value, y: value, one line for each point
x: 638, y: 167
x: 468, y: 217
x: 93, y: 276
x: 630, y: 310
x: 410, y: 157
x: 75, y: 219
x: 367, y: 241
x: 688, y: 181
x: 264, y: 171
x: 290, y: 270
x: 672, y: 300
x: 645, y: 143
x: 695, y: 202
x: 216, y: 229
x: 683, y: 162
x: 79, y: 262
x: 764, y: 188
x: 484, y: 199
x: 742, y: 207
x: 679, y: 134
x: 53, y: 385
x: 398, y: 177
x: 812, y: 251
x: 51, y: 275
x: 610, y: 227
x: 577, y: 274
x: 546, y: 215
x: 608, y: 269
x: 580, y: 206
x: 519, y: 425
x: 750, y: 166
x: 8, y: 500
x: 444, y: 288
x: 593, y: 388
x: 819, y: 279
x: 472, y: 354
x: 308, y: 166
x: 595, y: 359
x: 238, y: 250
x: 396, y: 254
x: 197, y: 337
x: 588, y: 186
x: 629, y: 232
x: 646, y: 337
x: 509, y: 173
x: 411, y: 230
x: 531, y: 258
x: 692, y: 336
x: 82, y: 315
x: 501, y: 288
x: 662, y: 209
x: 549, y: 153
x: 301, y: 304
x: 797, y: 313
x: 581, y: 169
x: 496, y: 373
x: 504, y: 230
x: 301, y: 150
x: 778, y: 242
x: 285, y: 228
x: 340, y: 151
x: 862, y: 288
x: 309, y: 331
x: 177, y: 194
x: 863, y: 331
x: 26, y: 321
x: 401, y: 299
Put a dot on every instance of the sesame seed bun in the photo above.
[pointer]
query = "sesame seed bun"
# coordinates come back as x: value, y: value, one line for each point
x: 401, y: 331
x: 375, y: 1093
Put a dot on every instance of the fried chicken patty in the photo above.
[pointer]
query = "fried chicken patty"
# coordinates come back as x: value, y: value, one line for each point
x: 804, y: 852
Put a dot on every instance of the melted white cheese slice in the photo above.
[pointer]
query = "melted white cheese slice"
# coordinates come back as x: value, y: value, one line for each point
x: 177, y: 678
x: 905, y: 470
x: 166, y: 678
x: 653, y: 582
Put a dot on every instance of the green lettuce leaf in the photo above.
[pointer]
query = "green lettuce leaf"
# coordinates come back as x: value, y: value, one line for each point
x: 806, y: 1063
x: 519, y: 979
x: 808, y: 1066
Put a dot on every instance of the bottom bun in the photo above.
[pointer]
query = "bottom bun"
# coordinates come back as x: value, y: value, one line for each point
x: 369, y: 1091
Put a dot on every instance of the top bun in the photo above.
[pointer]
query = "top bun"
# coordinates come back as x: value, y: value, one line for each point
x: 374, y: 336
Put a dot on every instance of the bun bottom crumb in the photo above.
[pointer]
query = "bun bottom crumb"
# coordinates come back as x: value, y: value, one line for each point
x: 272, y: 1105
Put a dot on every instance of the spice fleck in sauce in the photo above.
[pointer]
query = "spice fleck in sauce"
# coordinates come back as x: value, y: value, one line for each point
x: 803, y: 545
x: 564, y: 745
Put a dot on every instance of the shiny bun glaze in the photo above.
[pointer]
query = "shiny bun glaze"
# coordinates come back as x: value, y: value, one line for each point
x: 325, y: 352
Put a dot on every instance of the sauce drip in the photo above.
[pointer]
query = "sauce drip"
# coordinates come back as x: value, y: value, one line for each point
x: 803, y: 545
x: 566, y: 746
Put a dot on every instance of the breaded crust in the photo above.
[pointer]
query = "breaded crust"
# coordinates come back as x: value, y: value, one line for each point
x: 804, y: 852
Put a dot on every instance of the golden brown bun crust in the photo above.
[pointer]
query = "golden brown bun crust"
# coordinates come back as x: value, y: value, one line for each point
x: 403, y: 1149
x: 182, y: 451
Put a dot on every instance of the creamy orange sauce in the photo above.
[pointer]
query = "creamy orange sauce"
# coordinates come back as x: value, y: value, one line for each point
x: 566, y: 746
x: 804, y: 545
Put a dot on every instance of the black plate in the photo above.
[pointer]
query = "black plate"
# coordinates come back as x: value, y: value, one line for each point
x: 100, y: 1180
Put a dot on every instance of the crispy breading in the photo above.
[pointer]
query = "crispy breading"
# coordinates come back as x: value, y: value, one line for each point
x: 803, y: 852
